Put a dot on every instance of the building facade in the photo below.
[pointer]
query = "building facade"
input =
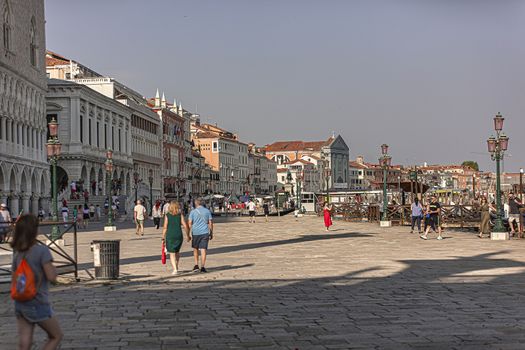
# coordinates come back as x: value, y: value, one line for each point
x: 90, y: 124
x: 24, y: 171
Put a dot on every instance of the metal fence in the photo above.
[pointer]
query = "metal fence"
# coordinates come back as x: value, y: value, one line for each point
x: 64, y: 262
x: 464, y: 216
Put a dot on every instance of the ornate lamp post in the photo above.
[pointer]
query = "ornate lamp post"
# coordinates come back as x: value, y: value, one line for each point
x: 327, y: 174
x: 299, y: 179
x: 150, y: 178
x: 109, y: 171
x: 521, y: 185
x: 385, y: 162
x: 497, y: 147
x: 136, y: 181
x: 54, y: 148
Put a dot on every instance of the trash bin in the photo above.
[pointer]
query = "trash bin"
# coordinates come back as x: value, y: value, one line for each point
x: 106, y: 255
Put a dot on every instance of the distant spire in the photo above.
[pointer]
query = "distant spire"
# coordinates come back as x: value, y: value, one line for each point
x: 181, y: 111
x: 163, y: 101
x: 175, y: 103
x: 157, y: 99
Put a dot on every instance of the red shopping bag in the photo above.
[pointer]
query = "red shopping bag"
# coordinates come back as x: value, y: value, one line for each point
x: 163, y: 255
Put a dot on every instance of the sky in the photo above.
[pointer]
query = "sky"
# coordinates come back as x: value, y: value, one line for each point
x: 424, y: 76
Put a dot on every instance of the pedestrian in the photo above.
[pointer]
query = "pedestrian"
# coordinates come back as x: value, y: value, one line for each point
x: 91, y: 211
x: 98, y: 213
x: 65, y: 214
x: 73, y: 190
x: 266, y: 210
x: 251, y: 210
x: 417, y: 214
x: 433, y: 212
x: 38, y: 309
x: 85, y: 215
x: 86, y: 196
x: 166, y: 207
x: 41, y: 214
x: 172, y: 233
x: 201, y: 227
x: 327, y: 213
x: 156, y: 213
x: 139, y: 213
x: 485, y: 208
x: 106, y: 206
x: 79, y: 216
x: 514, y: 213
x: 5, y: 222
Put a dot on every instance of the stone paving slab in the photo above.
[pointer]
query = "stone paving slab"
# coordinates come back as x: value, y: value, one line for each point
x: 287, y: 284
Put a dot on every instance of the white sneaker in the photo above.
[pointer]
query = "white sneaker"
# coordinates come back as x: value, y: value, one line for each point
x: 423, y: 237
x: 175, y: 272
x: 439, y: 238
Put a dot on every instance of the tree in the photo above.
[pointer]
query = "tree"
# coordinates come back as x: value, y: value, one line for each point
x: 472, y: 164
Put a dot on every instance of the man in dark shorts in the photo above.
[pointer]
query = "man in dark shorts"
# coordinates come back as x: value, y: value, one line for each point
x: 434, y: 210
x: 201, y: 227
x: 266, y: 209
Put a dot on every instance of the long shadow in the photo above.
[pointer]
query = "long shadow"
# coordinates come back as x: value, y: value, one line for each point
x: 470, y: 302
x: 248, y: 246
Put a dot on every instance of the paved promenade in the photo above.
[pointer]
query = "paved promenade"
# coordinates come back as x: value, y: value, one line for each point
x: 289, y: 285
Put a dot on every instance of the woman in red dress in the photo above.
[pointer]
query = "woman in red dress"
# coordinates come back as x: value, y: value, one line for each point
x: 327, y: 212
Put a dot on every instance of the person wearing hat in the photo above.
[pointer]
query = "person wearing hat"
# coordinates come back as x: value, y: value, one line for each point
x: 5, y: 222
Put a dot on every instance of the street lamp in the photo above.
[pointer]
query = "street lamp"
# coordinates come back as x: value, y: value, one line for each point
x: 136, y: 181
x: 385, y: 162
x: 327, y: 174
x: 109, y: 171
x: 150, y: 178
x: 54, y: 148
x: 497, y: 147
x: 521, y: 185
x: 299, y: 179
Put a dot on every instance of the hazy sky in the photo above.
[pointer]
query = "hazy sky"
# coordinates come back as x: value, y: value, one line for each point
x: 424, y: 76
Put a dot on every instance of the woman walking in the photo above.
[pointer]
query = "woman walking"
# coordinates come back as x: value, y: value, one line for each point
x: 172, y: 233
x: 417, y: 214
x: 327, y: 213
x: 156, y: 213
x: 80, y: 216
x: 36, y: 311
x: 484, y: 226
x: 85, y: 215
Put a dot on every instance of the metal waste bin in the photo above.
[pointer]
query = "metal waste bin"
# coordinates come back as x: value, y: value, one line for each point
x: 106, y: 255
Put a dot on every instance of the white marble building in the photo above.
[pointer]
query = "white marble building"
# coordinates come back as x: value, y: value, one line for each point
x: 24, y: 171
x: 90, y: 124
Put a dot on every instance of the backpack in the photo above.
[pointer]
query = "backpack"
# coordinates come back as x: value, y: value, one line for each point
x: 23, y: 286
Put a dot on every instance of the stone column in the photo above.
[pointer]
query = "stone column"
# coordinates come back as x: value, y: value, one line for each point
x: 34, y: 204
x: 25, y: 203
x: 13, y: 205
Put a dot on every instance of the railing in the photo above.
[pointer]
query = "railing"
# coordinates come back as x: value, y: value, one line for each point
x: 451, y: 215
x: 63, y: 261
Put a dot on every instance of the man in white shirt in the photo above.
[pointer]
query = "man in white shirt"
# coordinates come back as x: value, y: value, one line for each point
x: 139, y: 214
x: 5, y: 222
x: 251, y: 210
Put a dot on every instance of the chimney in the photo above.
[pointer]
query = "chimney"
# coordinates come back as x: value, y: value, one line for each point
x: 360, y: 159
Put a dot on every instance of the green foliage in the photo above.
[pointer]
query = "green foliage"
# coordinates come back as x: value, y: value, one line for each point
x: 470, y: 163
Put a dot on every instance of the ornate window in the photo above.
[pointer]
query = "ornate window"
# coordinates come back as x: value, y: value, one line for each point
x: 7, y: 27
x: 32, y: 46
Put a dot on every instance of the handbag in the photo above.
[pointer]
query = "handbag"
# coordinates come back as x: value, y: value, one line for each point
x: 163, y: 254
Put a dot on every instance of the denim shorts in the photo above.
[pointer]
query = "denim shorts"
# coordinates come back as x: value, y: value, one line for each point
x: 33, y: 311
x: 200, y: 241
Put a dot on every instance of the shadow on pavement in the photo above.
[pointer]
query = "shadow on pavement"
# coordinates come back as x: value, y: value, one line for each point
x: 242, y: 247
x: 460, y: 303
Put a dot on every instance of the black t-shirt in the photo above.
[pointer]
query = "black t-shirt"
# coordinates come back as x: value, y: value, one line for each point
x: 434, y: 207
x: 514, y: 207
